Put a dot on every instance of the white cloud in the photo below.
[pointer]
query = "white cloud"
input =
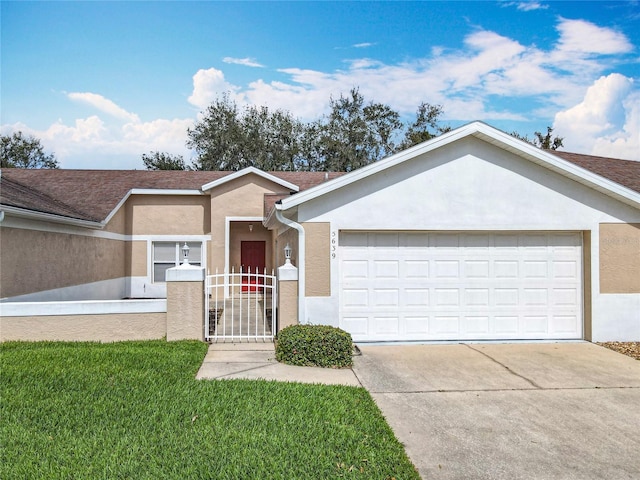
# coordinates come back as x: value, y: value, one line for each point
x: 363, y: 45
x: 606, y: 122
x: 92, y: 143
x: 208, y: 85
x: 247, y: 62
x: 104, y: 105
x: 526, y: 6
x: 585, y: 38
x: 594, y: 115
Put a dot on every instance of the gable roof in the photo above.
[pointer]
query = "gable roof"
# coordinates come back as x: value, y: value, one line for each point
x: 249, y: 171
x: 94, y: 195
x: 621, y: 182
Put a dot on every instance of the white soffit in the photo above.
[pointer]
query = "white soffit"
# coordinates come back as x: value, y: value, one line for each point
x: 490, y: 135
x: 248, y: 171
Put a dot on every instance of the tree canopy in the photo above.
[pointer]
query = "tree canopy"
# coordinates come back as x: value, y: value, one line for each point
x: 354, y: 133
x: 19, y: 151
x: 164, y: 161
x: 545, y: 142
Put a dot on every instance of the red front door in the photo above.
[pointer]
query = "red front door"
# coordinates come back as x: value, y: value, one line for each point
x: 252, y: 258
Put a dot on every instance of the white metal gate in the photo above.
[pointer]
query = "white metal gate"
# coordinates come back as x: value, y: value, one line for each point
x: 240, y: 306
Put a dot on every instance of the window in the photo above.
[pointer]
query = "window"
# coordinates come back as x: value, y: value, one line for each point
x: 167, y: 255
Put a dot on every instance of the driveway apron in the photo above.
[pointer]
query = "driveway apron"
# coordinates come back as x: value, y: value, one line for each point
x: 509, y: 411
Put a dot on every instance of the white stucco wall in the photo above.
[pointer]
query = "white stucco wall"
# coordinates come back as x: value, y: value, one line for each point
x: 472, y: 185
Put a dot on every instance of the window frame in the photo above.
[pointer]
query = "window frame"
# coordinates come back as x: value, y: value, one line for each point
x: 177, y: 256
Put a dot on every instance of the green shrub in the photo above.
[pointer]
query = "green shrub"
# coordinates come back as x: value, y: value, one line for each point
x: 314, y: 346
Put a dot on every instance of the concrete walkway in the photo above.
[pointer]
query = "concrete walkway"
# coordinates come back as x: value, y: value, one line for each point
x: 509, y: 411
x: 255, y: 361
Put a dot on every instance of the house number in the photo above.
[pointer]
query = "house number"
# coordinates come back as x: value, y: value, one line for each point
x: 334, y: 244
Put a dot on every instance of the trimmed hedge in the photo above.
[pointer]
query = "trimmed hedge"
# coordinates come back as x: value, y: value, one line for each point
x: 314, y: 346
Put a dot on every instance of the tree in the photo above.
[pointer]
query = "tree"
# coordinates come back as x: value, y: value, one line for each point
x: 353, y: 134
x: 164, y: 161
x: 18, y: 151
x: 425, y: 127
x: 546, y: 142
x: 228, y: 138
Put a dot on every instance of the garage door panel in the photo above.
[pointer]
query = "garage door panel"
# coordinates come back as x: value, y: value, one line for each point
x: 386, y: 325
x: 505, y: 297
x: 476, y: 269
x: 565, y: 269
x: 564, y: 324
x: 355, y: 298
x: 477, y: 324
x: 352, y: 269
x: 416, y: 325
x: 386, y: 269
x: 386, y: 297
x: 447, y: 269
x: 445, y: 324
x: 456, y: 286
x: 416, y: 297
x: 505, y: 326
x: 416, y: 269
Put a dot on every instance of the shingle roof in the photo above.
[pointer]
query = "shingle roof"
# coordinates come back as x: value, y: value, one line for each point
x: 93, y: 194
x: 624, y: 172
x: 15, y: 194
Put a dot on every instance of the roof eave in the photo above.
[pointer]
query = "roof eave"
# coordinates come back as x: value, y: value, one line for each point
x: 50, y: 217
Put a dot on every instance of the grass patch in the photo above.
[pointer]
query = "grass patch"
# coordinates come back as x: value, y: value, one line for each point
x: 134, y: 410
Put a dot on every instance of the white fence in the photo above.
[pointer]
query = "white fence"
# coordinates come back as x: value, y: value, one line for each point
x: 240, y: 306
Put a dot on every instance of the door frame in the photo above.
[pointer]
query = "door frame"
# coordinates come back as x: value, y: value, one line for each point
x: 227, y: 243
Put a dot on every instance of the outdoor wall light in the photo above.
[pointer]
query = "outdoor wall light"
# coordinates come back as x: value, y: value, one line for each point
x: 287, y: 253
x: 185, y: 254
x: 251, y: 227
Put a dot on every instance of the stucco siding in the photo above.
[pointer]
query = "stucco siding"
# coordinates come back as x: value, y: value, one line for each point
x: 185, y: 311
x: 318, y: 267
x: 33, y: 261
x: 620, y: 258
x: 168, y: 215
x: 118, y: 223
x: 84, y: 328
x: 136, y: 259
x: 239, y: 198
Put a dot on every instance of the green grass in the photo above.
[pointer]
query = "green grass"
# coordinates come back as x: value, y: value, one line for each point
x: 134, y: 410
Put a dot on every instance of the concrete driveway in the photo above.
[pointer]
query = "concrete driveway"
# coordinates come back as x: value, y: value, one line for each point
x: 509, y: 411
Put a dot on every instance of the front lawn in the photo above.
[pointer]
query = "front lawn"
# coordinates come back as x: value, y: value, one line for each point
x: 134, y: 410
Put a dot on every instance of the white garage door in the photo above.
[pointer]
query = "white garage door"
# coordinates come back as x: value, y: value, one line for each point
x: 461, y: 286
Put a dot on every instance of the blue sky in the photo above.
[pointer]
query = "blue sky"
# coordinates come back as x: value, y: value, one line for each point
x: 101, y: 83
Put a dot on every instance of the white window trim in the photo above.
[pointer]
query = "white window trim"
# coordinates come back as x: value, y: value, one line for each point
x: 150, y: 239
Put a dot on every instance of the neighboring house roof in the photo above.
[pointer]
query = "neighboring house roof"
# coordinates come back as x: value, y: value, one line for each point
x: 92, y: 195
x: 619, y: 179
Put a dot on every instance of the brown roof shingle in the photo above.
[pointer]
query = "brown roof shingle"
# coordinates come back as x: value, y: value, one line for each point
x: 93, y: 194
x: 624, y: 172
